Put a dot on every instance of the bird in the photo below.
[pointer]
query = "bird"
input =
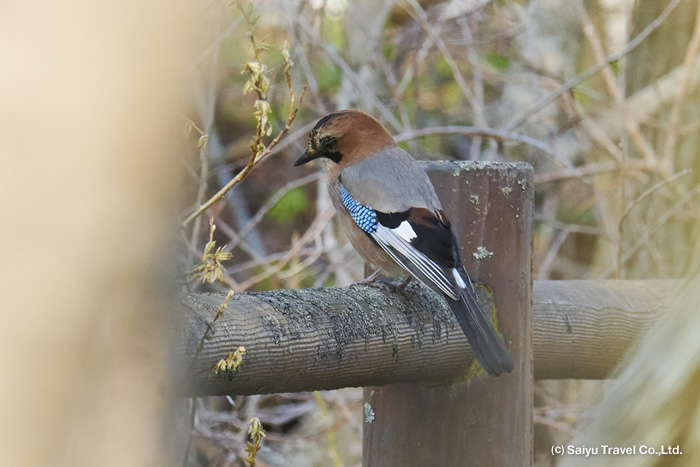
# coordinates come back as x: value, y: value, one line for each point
x: 394, y: 219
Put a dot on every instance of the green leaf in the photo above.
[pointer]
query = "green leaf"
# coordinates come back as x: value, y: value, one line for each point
x: 334, y: 32
x: 580, y: 96
x: 388, y: 51
x: 292, y: 204
x: 497, y: 61
x: 443, y: 68
x: 615, y: 66
x: 330, y: 77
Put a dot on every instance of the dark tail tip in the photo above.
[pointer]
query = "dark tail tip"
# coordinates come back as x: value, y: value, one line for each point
x: 487, y: 345
x: 497, y: 362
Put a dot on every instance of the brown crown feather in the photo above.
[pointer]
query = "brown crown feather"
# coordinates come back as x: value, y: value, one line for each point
x: 357, y: 134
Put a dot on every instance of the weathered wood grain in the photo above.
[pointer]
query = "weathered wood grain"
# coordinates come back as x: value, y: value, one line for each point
x: 301, y: 340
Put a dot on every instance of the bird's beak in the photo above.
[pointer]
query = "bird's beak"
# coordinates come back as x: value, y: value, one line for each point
x: 305, y: 157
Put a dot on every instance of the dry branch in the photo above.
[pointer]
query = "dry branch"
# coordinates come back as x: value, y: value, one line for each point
x: 646, y: 103
x: 257, y: 83
x: 300, y: 340
x: 519, y: 120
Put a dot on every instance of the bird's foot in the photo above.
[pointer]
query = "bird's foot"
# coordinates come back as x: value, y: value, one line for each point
x: 402, y: 286
x: 389, y: 286
x: 370, y: 280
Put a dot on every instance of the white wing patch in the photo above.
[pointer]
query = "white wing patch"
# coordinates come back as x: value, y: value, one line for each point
x: 458, y: 279
x: 398, y: 240
x: 405, y: 231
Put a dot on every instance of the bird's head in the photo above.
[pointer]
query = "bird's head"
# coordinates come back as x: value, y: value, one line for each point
x: 345, y: 137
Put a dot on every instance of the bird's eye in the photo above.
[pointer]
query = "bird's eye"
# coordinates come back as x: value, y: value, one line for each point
x: 328, y: 143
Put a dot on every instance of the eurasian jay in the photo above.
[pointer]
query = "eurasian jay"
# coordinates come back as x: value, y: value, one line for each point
x: 394, y: 219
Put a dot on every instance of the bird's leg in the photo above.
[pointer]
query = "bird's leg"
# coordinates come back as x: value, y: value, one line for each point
x: 389, y: 286
x: 371, y: 279
x: 402, y: 287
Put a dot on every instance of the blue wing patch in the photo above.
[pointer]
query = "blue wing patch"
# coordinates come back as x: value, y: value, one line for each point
x: 364, y: 216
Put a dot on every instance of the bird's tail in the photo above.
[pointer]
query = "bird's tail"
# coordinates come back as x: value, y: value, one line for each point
x: 488, y: 348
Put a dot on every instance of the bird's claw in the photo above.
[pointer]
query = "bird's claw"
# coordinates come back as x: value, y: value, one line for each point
x: 388, y: 286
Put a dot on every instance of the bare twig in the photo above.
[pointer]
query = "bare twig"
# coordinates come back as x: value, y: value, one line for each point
x: 560, y: 426
x: 270, y: 204
x: 588, y: 170
x: 422, y: 18
x: 271, y: 258
x: 495, y: 133
x: 394, y: 87
x: 649, y: 101
x: 510, y: 33
x: 370, y: 42
x: 254, y: 160
x: 650, y: 191
x: 258, y: 150
x: 188, y: 446
x: 235, y: 237
x: 330, y: 436
x: 631, y: 124
x: 417, y: 60
x: 343, y: 255
x: 606, y: 127
x: 518, y: 120
x: 366, y: 92
x: 215, y: 46
x: 691, y: 56
x: 210, y: 327
x: 552, y: 254
x: 478, y: 84
x: 207, y: 103
x: 288, y: 140
x: 661, y: 220
x: 297, y: 268
x: 313, y: 230
x: 573, y: 228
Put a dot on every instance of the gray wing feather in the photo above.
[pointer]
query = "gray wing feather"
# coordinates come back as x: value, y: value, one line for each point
x: 401, y: 250
x: 391, y: 181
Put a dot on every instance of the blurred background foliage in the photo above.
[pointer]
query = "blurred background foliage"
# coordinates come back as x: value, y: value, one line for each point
x: 614, y: 152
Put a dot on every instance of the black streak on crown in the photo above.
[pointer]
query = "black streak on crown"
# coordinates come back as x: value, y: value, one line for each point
x: 332, y: 155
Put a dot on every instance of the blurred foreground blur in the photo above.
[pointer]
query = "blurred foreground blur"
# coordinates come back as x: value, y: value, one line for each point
x: 87, y: 178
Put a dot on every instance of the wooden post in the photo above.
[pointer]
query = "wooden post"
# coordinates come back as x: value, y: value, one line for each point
x: 482, y: 421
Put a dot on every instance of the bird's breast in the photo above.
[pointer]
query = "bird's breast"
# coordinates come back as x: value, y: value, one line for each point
x: 360, y: 239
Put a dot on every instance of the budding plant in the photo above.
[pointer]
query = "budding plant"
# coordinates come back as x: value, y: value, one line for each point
x: 259, y: 84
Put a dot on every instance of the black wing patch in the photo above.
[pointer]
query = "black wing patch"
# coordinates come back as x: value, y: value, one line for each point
x: 423, y: 244
x: 434, y: 238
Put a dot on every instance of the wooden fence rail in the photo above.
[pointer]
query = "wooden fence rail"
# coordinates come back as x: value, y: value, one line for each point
x: 329, y: 338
